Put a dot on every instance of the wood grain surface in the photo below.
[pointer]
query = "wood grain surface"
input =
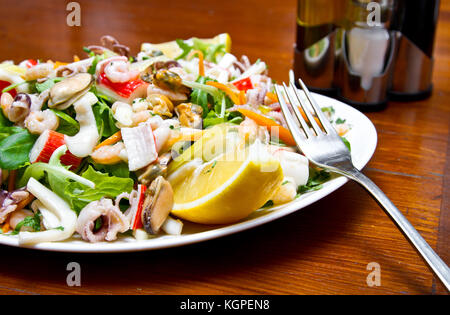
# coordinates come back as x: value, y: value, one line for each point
x: 323, y: 249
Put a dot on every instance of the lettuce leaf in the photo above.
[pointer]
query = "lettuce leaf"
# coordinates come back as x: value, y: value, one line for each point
x: 210, y: 51
x: 79, y: 195
x: 106, y: 124
x: 58, y: 175
x: 15, y: 146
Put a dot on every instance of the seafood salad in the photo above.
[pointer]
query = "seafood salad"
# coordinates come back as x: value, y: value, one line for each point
x: 116, y: 144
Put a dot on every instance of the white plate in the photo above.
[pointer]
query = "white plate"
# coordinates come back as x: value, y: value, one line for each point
x: 363, y: 139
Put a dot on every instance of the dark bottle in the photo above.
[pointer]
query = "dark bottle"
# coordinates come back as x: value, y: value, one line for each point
x: 415, y: 23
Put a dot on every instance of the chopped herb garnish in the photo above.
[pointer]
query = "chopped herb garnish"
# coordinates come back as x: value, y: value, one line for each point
x: 315, y: 181
x: 329, y: 109
x: 32, y: 221
x: 88, y: 51
x: 268, y: 204
x: 340, y: 121
x: 347, y: 143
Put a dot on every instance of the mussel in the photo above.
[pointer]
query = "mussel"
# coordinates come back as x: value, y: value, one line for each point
x: 157, y: 205
x: 158, y: 168
x: 190, y: 115
x: 65, y: 93
x: 160, y: 105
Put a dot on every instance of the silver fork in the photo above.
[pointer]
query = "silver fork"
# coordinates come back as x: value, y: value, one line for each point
x: 325, y: 149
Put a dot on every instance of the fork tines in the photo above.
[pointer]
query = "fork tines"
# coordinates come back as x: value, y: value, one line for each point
x: 298, y: 103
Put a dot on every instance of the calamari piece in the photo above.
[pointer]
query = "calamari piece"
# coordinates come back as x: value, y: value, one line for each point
x: 112, y: 219
x: 140, y: 145
x: 84, y: 142
x: 294, y: 165
x: 53, y: 203
x: 49, y: 219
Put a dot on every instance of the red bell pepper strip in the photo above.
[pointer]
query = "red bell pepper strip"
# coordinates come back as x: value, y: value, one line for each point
x: 30, y: 63
x: 136, y: 221
x: 5, y: 84
x: 244, y: 84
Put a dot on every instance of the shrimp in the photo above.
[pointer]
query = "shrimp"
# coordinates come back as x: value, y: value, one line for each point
x: 109, y: 154
x: 39, y: 71
x: 286, y: 192
x: 342, y: 129
x: 6, y: 101
x: 119, y: 72
x: 18, y: 216
x: 248, y: 129
x: 141, y: 116
x: 40, y: 121
x: 127, y: 116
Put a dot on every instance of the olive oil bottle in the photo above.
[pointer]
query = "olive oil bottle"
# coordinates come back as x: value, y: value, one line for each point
x: 317, y: 21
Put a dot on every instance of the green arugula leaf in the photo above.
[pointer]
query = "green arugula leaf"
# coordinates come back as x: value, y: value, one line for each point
x: 119, y: 170
x: 185, y: 47
x: 41, y: 87
x: 96, y: 60
x: 67, y: 125
x: 79, y: 195
x: 4, y: 122
x: 210, y: 51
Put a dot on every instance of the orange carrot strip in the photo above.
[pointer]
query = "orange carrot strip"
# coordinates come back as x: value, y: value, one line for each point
x: 272, y: 96
x: 227, y: 91
x: 76, y: 58
x: 242, y: 98
x: 201, y: 64
x: 111, y: 140
x: 6, y: 227
x: 24, y: 202
x: 59, y: 64
x: 306, y: 118
x: 284, y: 134
x: 12, y: 180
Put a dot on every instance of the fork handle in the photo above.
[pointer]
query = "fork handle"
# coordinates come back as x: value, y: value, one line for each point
x: 436, y: 264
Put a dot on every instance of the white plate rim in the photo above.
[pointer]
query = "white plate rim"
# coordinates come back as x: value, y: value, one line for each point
x: 370, y: 140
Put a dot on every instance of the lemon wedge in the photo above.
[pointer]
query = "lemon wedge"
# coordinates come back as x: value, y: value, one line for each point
x: 172, y: 50
x: 214, y: 141
x: 227, y: 188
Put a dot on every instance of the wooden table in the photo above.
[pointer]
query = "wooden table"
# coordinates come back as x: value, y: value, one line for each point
x: 323, y: 249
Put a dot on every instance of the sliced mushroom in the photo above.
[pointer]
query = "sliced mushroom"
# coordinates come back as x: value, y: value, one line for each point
x: 158, y: 168
x: 65, y: 93
x: 157, y: 205
x: 190, y: 115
